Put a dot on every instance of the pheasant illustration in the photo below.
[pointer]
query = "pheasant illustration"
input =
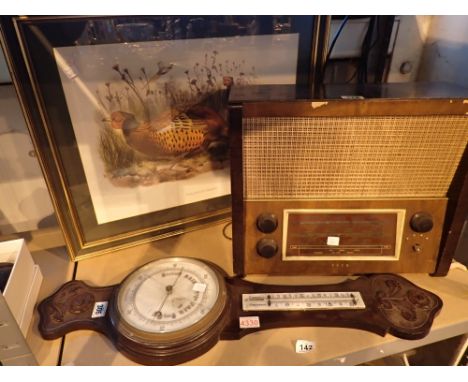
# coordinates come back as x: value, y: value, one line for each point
x: 198, y: 128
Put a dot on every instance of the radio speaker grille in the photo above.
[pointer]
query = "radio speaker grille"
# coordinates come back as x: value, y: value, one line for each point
x: 351, y: 157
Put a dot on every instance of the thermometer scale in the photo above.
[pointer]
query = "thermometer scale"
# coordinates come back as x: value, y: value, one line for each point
x: 173, y: 310
x: 302, y: 301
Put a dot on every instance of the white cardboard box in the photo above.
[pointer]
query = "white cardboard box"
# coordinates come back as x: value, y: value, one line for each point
x: 23, y: 285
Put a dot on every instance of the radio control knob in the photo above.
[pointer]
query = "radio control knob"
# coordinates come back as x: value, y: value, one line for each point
x: 267, y: 248
x: 267, y: 222
x: 417, y: 248
x: 421, y: 222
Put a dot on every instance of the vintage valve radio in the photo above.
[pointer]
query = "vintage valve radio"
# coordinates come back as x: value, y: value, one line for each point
x: 354, y: 182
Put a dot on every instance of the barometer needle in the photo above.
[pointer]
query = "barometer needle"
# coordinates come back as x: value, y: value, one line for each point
x: 169, y: 289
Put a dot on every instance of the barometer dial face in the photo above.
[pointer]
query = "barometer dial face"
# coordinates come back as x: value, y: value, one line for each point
x: 171, y: 296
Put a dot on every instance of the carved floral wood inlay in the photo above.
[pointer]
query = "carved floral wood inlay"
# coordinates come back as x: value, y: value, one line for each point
x: 403, y: 304
x: 73, y: 298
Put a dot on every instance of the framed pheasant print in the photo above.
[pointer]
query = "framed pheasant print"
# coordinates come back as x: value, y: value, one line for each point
x: 128, y: 114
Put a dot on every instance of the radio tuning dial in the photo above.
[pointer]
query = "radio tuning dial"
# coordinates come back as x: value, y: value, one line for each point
x: 267, y: 222
x: 267, y: 248
x: 421, y: 222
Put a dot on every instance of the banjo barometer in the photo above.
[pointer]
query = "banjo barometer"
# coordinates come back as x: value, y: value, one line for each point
x: 172, y: 310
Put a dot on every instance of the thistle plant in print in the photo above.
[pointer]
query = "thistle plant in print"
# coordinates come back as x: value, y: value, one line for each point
x: 167, y: 123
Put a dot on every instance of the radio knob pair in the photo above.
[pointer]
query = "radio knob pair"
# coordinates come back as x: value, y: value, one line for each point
x: 267, y: 223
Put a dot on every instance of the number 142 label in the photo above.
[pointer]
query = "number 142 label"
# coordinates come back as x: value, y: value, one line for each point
x: 303, y: 346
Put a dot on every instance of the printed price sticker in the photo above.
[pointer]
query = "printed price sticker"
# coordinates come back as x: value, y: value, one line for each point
x: 100, y: 309
x: 304, y: 346
x: 249, y: 322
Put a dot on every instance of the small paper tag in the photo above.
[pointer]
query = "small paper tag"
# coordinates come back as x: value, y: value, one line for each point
x: 100, y: 309
x: 333, y: 240
x: 249, y: 322
x: 352, y: 97
x: 199, y: 287
x: 304, y: 346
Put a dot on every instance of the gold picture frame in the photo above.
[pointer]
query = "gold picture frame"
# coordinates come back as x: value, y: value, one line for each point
x: 91, y: 84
